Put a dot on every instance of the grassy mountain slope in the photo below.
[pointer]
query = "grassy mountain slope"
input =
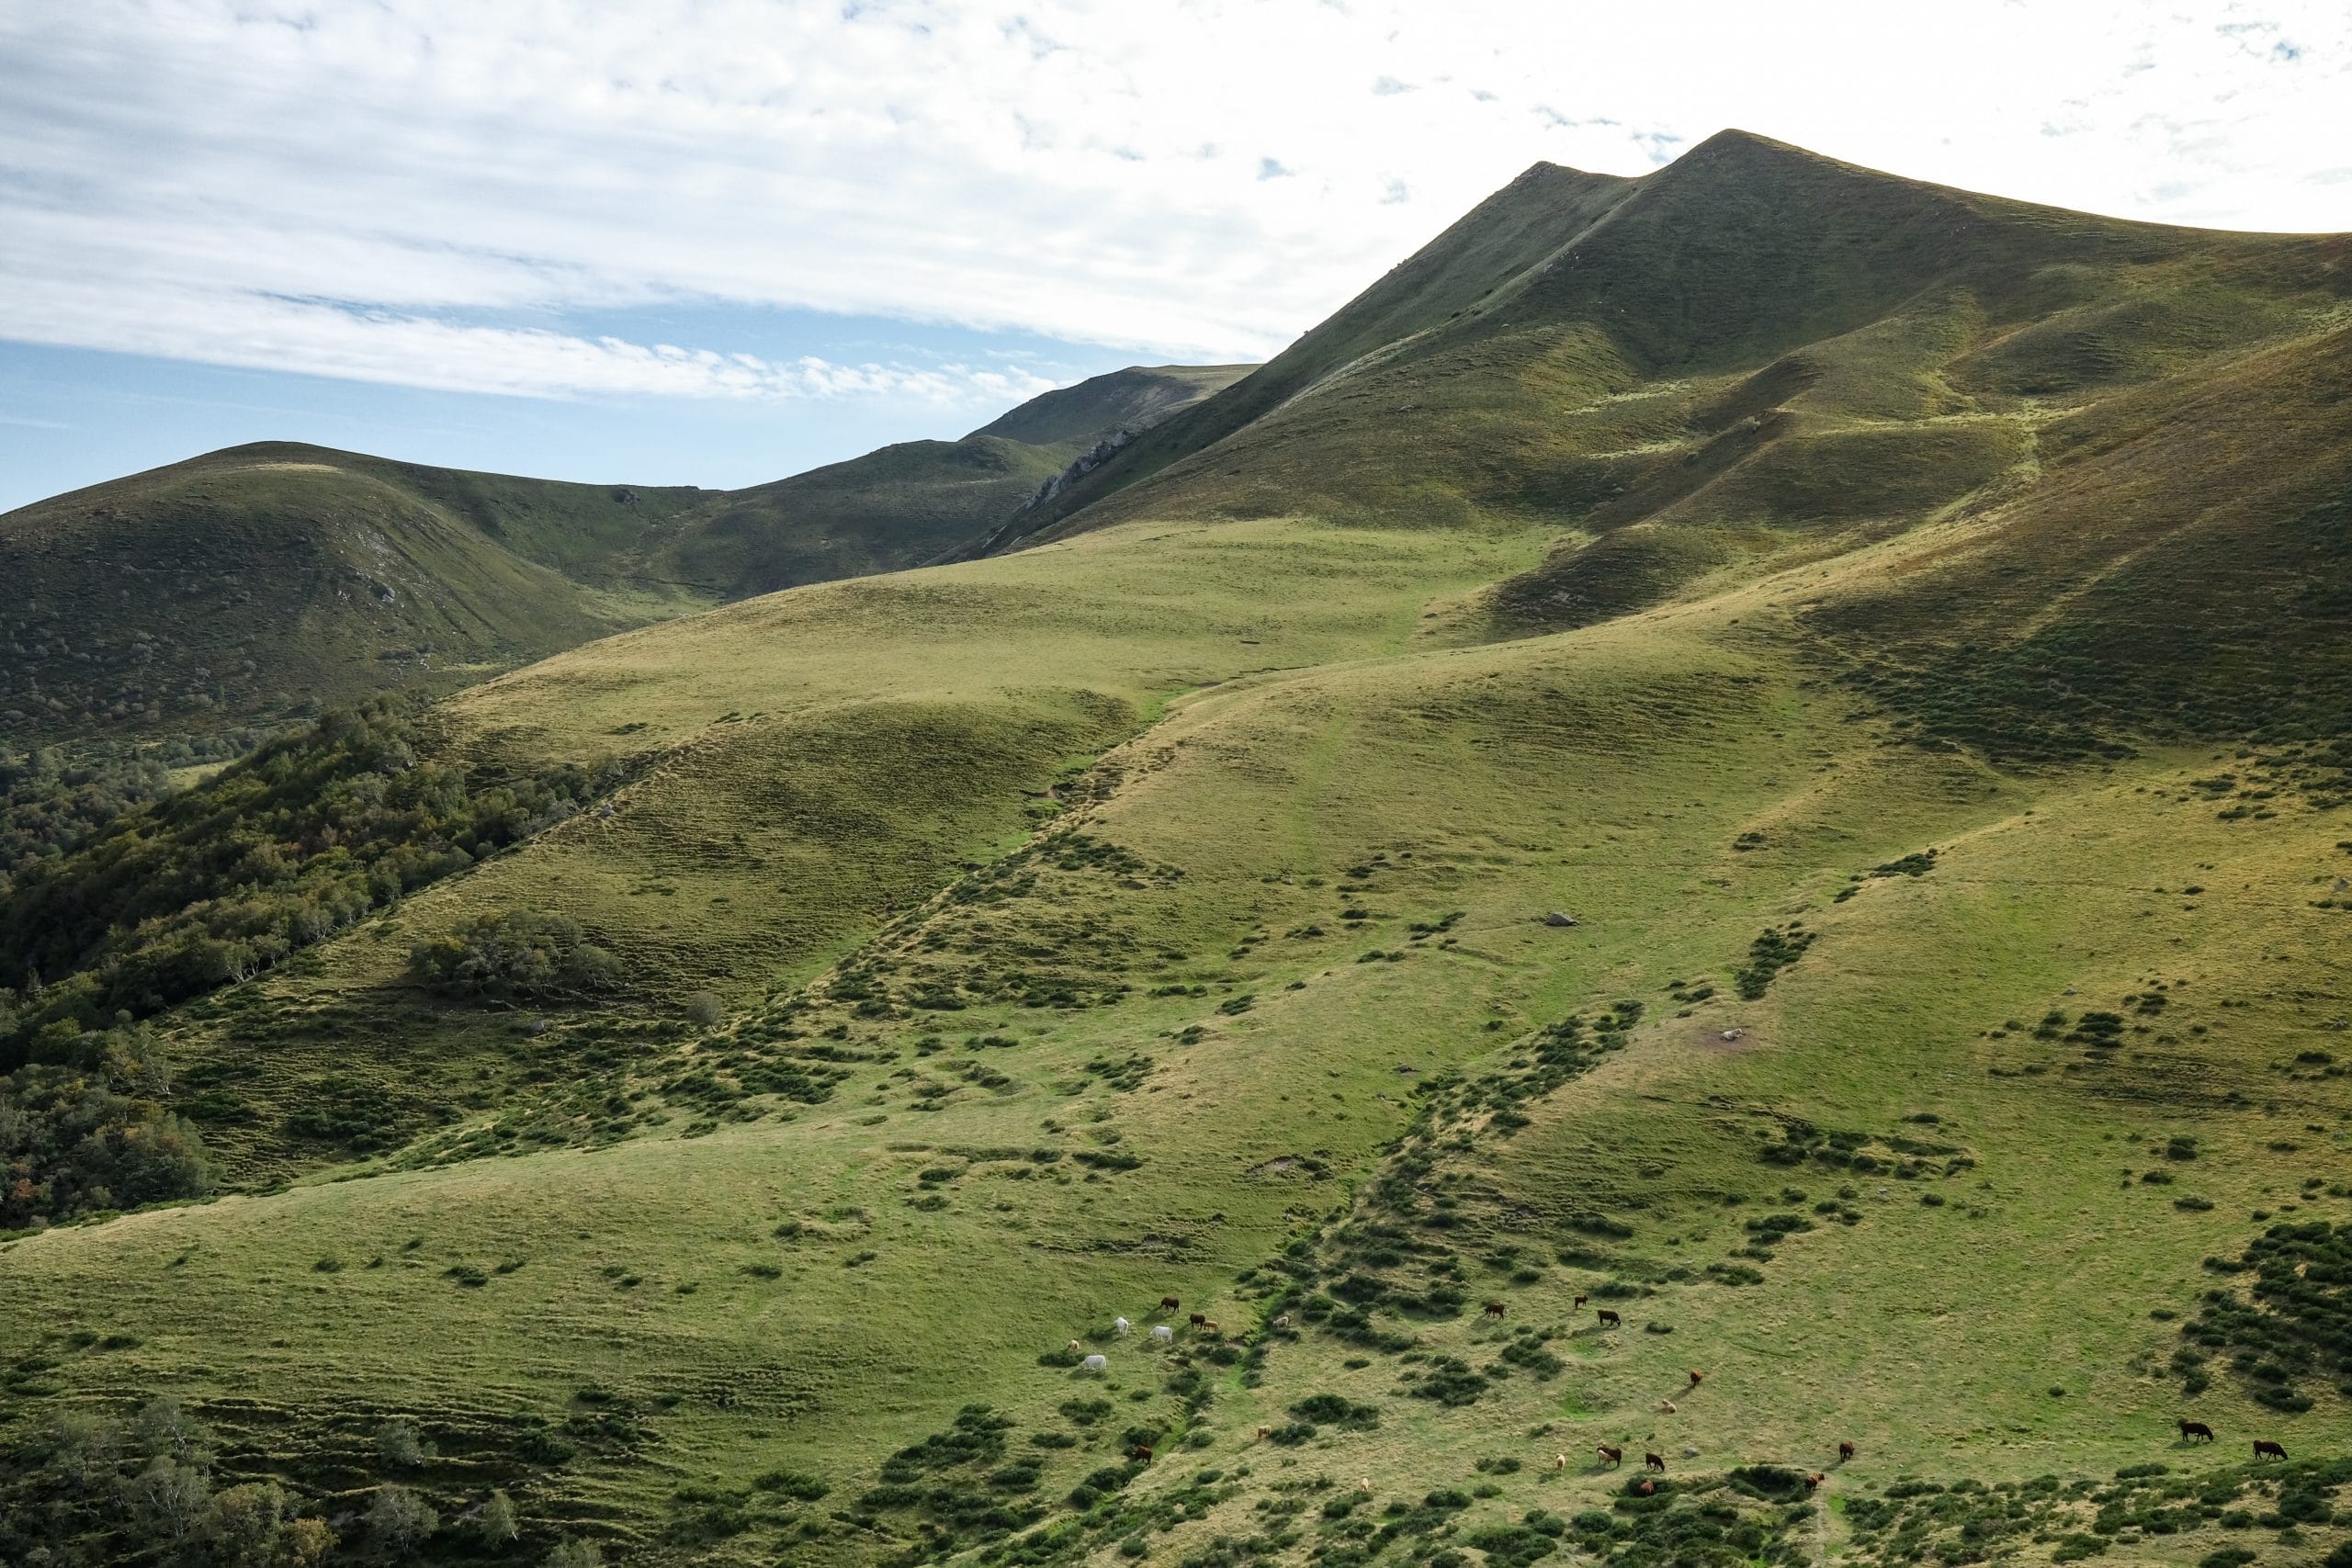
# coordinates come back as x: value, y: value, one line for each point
x: 245, y: 583
x: 1724, y: 360
x: 1134, y: 399
x: 1954, y: 996
x: 251, y: 584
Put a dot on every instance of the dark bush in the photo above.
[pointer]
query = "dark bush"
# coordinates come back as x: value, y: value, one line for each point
x: 515, y: 954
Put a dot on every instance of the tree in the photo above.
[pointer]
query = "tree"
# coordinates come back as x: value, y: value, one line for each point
x: 576, y: 1554
x: 519, y: 952
x: 400, y: 1521
x: 168, y: 1499
x: 164, y: 1430
x: 243, y: 1525
x: 400, y: 1446
x: 499, y: 1527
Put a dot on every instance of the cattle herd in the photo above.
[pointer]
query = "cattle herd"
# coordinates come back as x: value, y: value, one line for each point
x: 1610, y: 1456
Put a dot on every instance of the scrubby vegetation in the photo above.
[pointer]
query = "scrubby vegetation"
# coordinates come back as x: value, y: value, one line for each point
x: 217, y: 884
x: 2293, y: 1325
x: 94, y: 1132
x: 50, y: 799
x: 100, y: 1488
x: 519, y: 953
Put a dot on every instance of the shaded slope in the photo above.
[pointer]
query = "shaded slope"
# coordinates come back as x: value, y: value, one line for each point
x: 920, y: 500
x: 1134, y: 399
x: 257, y: 581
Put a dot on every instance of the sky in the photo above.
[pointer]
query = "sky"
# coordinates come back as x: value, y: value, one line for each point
x: 717, y: 242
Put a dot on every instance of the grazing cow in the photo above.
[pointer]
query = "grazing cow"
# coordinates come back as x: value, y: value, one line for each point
x: 1648, y: 1489
x: 1612, y: 1457
x: 1096, y: 1364
x: 1121, y: 1324
x: 1141, y: 1453
x: 1845, y: 1452
x: 1666, y: 1407
x: 1559, y: 1462
x: 1607, y: 1318
x: 1264, y: 1432
x: 2195, y: 1429
x: 1581, y: 1301
x: 2264, y: 1448
x: 1493, y: 1309
x: 1074, y: 1347
x: 1697, y: 1378
x: 1162, y: 1333
x: 1209, y: 1329
x: 1812, y: 1483
x: 1363, y: 1484
x: 1196, y: 1320
x: 1655, y: 1461
x: 1281, y: 1320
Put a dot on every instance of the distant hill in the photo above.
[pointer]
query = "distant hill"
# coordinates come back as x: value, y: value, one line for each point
x: 913, y: 503
x: 257, y: 583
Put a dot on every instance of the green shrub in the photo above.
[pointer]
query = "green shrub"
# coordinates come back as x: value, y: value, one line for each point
x: 513, y: 954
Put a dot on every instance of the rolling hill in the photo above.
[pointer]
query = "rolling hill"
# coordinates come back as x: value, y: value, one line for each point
x: 1711, y: 825
x: 253, y: 584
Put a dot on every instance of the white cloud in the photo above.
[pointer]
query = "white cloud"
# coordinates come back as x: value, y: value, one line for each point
x: 400, y: 190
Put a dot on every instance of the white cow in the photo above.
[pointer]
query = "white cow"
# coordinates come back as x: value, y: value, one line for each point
x: 1121, y: 1324
x: 1163, y: 1334
x: 1095, y: 1364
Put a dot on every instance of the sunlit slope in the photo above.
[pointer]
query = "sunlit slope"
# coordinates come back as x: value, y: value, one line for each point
x: 825, y: 757
x: 1680, y: 782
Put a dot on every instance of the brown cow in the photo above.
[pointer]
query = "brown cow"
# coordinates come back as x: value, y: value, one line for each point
x: 1209, y: 1330
x: 1612, y: 1457
x: 1493, y: 1309
x: 1168, y: 1303
x: 1559, y: 1462
x: 1141, y: 1453
x: 2195, y: 1429
x: 1648, y: 1489
x: 1264, y: 1432
x: 1196, y: 1320
x: 1607, y: 1318
x: 1697, y: 1378
x: 1812, y: 1483
x: 2264, y: 1447
x: 1845, y: 1452
x: 1655, y: 1461
x: 1581, y: 1301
